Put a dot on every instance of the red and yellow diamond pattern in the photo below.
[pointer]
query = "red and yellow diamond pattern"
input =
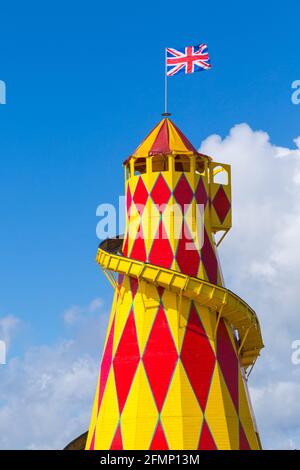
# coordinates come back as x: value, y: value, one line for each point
x: 168, y: 237
x: 170, y: 376
x: 167, y: 380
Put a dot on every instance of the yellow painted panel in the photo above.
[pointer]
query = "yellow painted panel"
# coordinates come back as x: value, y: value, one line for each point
x: 111, y: 317
x: 134, y: 225
x: 122, y: 313
x: 170, y: 303
x: 208, y: 320
x: 215, y: 413
x: 175, y: 141
x: 173, y: 429
x: 181, y: 408
x: 108, y: 415
x: 185, y: 307
x: 94, y: 417
x: 140, y: 415
x: 144, y: 318
x: 245, y: 415
x: 231, y: 415
x: 144, y: 148
x: 231, y: 336
x: 150, y: 223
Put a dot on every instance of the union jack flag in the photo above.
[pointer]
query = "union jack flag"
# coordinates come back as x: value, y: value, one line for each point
x: 188, y: 60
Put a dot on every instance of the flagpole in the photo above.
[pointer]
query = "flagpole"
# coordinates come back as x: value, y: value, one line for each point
x: 166, y: 84
x: 166, y: 87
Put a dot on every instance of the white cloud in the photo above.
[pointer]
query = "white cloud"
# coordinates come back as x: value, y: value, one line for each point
x: 76, y: 313
x: 260, y: 260
x: 8, y: 325
x: 46, y: 396
x: 297, y: 142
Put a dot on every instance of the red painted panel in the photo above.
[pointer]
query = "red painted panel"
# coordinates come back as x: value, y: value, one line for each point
x: 138, y: 250
x: 160, y: 358
x: 161, y: 192
x: 117, y: 443
x: 161, y: 252
x: 125, y: 248
x: 161, y: 143
x: 206, y: 441
x: 228, y: 361
x: 183, y: 193
x: 140, y: 196
x: 198, y: 358
x: 128, y: 200
x: 244, y: 444
x: 106, y: 363
x: 159, y: 441
x: 92, y: 444
x: 187, y: 255
x: 221, y: 204
x: 200, y: 194
x: 133, y: 286
x: 209, y: 260
x: 126, y: 360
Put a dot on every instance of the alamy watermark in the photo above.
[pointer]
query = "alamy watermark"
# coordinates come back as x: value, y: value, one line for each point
x: 2, y: 92
x: 295, y: 358
x: 2, y: 352
x: 296, y: 93
x: 182, y: 221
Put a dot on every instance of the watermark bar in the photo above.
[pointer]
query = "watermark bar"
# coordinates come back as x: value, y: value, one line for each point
x: 296, y: 354
x: 296, y: 94
x: 2, y: 352
x: 2, y: 92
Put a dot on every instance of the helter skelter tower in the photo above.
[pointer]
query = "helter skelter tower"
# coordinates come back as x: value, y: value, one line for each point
x: 179, y: 344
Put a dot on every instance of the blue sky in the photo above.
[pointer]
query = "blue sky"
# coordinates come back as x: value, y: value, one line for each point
x: 85, y: 84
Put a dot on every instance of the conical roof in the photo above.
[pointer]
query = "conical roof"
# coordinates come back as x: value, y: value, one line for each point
x: 165, y: 138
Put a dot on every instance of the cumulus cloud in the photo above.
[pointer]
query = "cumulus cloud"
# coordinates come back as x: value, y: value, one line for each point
x: 46, y: 396
x: 260, y: 259
x: 76, y: 313
x: 8, y: 326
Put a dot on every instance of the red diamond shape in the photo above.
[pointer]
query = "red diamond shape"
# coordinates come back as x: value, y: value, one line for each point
x: 228, y: 361
x: 206, y: 441
x: 187, y: 255
x: 160, y: 291
x: 92, y: 445
x: 125, y: 247
x: 244, y: 444
x: 160, y: 193
x: 160, y: 358
x: 183, y: 193
x: 140, y: 196
x: 117, y: 443
x: 128, y: 200
x: 161, y: 252
x: 126, y: 361
x: 133, y: 286
x: 106, y: 363
x: 209, y: 260
x: 138, y: 250
x: 200, y: 194
x: 198, y: 357
x: 221, y: 204
x: 159, y: 441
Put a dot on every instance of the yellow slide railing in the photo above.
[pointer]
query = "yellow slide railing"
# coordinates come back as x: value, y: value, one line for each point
x: 227, y: 304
